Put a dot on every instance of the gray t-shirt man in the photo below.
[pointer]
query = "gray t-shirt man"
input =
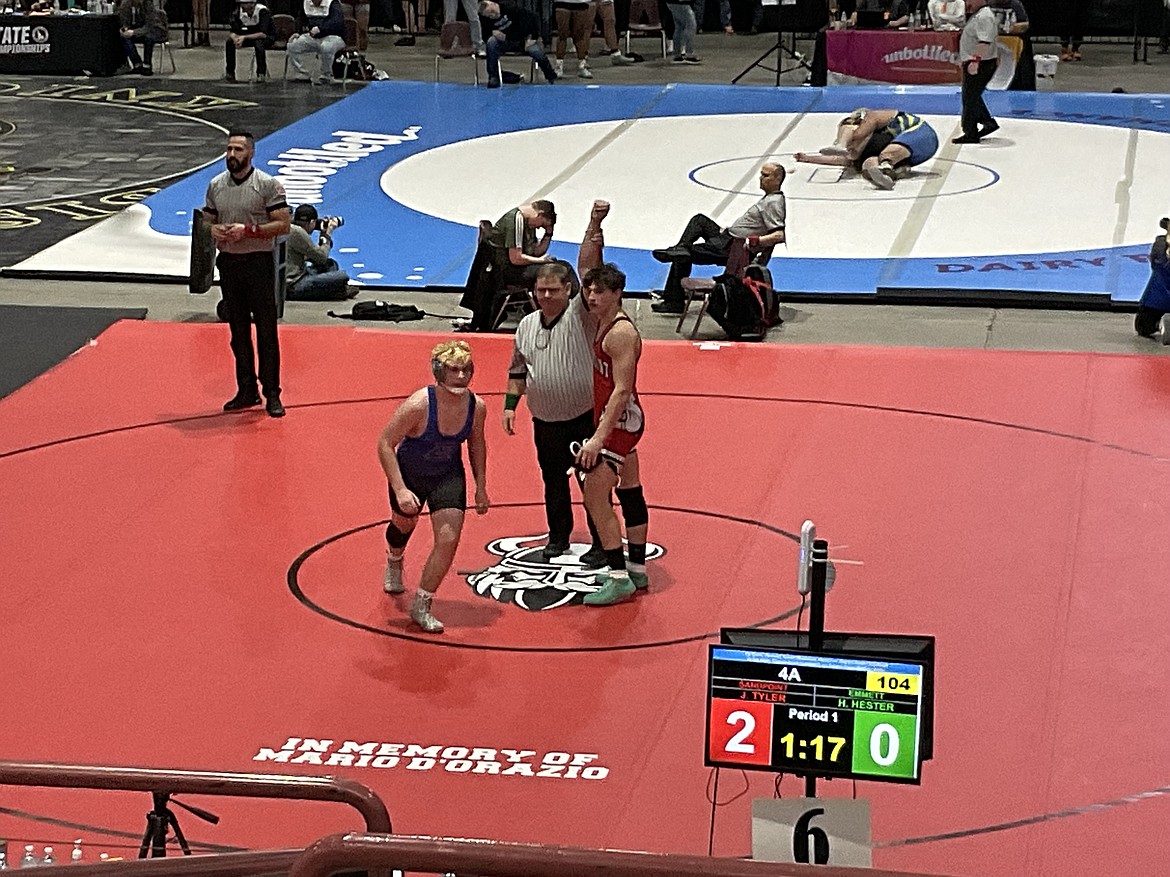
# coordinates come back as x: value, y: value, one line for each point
x: 766, y: 215
x: 980, y: 28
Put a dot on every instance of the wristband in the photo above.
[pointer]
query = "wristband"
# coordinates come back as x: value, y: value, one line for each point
x: 976, y: 58
x: 511, y: 400
x: 753, y: 241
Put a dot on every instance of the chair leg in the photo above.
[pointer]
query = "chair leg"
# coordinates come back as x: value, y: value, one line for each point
x: 475, y: 69
x: 686, y: 309
x: 699, y: 318
x: 171, y: 55
x: 437, y: 68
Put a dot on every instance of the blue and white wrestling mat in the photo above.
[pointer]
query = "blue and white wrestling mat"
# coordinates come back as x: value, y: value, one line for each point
x: 1061, y: 202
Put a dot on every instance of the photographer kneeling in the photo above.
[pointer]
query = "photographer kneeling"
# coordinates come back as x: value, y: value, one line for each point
x: 312, y: 274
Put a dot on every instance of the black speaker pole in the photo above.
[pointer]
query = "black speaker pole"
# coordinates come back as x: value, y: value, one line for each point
x: 818, y: 576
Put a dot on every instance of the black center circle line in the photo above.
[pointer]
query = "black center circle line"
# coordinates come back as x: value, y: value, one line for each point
x: 785, y: 400
x: 294, y: 587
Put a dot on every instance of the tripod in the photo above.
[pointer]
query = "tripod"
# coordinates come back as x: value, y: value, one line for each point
x: 161, y: 819
x: 780, y: 50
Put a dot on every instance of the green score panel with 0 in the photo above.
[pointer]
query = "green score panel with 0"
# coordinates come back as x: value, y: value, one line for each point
x: 812, y: 714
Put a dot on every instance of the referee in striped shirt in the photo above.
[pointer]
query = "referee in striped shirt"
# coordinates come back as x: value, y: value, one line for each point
x: 552, y: 364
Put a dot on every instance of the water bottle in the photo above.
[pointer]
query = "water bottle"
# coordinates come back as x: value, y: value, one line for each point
x: 29, y: 859
x: 47, y: 858
x: 103, y: 857
x: 76, y: 855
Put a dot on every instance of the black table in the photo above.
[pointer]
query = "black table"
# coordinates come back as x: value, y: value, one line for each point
x: 68, y: 45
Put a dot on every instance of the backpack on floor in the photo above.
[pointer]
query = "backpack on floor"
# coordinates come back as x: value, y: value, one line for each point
x: 745, y: 308
x: 381, y: 310
x: 359, y: 69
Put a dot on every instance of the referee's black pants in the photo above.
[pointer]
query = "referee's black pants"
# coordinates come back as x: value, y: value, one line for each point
x: 553, y: 438
x: 248, y: 282
x: 975, y: 112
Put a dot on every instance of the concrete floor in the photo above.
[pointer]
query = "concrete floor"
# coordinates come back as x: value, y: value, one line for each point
x: 1106, y: 66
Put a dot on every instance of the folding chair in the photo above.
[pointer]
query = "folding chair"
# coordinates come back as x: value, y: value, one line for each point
x: 644, y: 22
x: 284, y: 26
x: 507, y: 298
x: 455, y: 42
x: 165, y: 24
x: 739, y: 257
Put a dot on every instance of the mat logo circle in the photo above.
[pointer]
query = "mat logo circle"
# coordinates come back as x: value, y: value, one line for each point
x: 523, y: 577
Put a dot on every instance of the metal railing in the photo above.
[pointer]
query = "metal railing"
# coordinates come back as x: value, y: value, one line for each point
x: 196, y: 782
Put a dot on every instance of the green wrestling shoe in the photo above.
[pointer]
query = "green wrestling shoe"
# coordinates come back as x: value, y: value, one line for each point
x: 611, y: 591
x: 640, y: 579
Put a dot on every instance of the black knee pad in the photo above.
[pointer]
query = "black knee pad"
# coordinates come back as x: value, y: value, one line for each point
x: 634, y: 511
x: 395, y: 538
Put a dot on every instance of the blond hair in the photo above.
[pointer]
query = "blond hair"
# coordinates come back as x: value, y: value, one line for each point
x: 455, y: 354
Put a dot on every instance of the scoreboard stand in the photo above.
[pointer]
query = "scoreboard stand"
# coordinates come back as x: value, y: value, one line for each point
x: 834, y: 705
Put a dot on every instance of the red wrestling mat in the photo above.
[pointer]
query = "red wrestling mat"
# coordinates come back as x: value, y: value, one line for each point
x: 191, y: 589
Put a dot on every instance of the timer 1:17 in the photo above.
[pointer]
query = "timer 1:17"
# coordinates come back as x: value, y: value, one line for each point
x: 817, y: 743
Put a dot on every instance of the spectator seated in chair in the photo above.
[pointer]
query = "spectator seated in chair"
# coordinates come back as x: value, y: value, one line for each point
x: 705, y: 242
x: 947, y: 14
x: 510, y: 29
x: 508, y: 257
x: 252, y: 26
x: 140, y: 23
x: 312, y: 274
x: 320, y: 32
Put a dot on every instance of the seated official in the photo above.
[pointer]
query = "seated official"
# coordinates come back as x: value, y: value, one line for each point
x: 251, y: 25
x: 896, y: 12
x: 509, y: 257
x: 312, y: 274
x: 705, y: 242
x: 140, y: 23
x: 511, y: 29
x: 320, y: 32
x: 947, y: 14
x: 1011, y: 16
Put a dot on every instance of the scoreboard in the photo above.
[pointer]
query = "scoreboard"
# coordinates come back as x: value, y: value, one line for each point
x: 814, y: 714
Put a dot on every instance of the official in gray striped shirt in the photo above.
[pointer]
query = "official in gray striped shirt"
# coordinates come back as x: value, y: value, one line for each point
x: 552, y: 365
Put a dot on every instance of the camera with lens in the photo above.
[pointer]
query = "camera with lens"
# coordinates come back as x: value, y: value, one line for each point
x: 336, y: 221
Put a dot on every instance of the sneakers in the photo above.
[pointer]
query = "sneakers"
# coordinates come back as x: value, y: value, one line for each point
x: 243, y: 399
x: 640, y: 579
x: 420, y: 613
x: 261, y: 77
x: 559, y: 67
x: 612, y: 590
x: 966, y: 138
x: 880, y: 175
x: 229, y: 77
x: 405, y: 41
x: 617, y: 59
x: 594, y: 558
x: 692, y: 59
x: 273, y: 406
x: 392, y: 579
x: 678, y: 59
x: 666, y: 307
x: 1164, y: 325
x: 583, y: 70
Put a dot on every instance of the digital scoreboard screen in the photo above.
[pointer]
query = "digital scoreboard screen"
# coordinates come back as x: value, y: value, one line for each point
x: 814, y: 714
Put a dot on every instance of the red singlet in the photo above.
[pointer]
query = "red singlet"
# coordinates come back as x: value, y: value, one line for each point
x: 628, y: 430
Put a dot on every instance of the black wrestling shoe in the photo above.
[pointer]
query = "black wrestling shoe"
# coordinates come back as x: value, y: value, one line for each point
x: 242, y: 400
x: 669, y: 254
x: 594, y: 558
x: 554, y: 549
x: 988, y: 128
x: 966, y: 138
x: 273, y: 407
x: 666, y: 307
